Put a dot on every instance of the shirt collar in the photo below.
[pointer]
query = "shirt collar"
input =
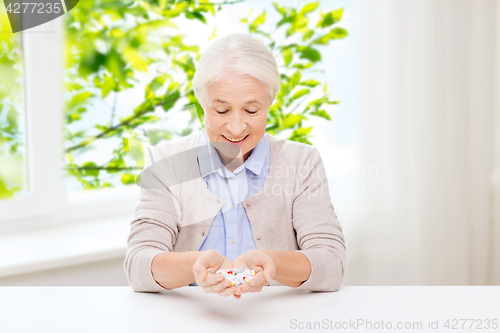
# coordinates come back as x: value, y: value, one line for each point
x: 209, y: 162
x: 255, y: 162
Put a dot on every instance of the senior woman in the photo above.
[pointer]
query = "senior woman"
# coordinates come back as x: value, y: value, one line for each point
x: 257, y: 202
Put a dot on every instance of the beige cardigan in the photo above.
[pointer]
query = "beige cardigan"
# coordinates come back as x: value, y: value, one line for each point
x: 292, y: 212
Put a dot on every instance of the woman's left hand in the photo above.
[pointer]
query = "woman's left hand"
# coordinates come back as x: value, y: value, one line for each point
x: 262, y: 264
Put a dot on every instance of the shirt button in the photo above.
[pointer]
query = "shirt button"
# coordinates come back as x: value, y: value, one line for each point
x: 232, y: 177
x: 232, y: 207
x: 231, y: 241
x: 258, y: 237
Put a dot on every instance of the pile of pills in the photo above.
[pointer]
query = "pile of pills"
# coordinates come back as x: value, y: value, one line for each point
x: 237, y: 276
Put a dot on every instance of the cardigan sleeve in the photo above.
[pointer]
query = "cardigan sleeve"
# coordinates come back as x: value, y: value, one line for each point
x: 153, y: 229
x: 319, y: 233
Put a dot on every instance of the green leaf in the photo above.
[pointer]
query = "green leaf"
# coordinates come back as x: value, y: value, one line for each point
x: 72, y: 117
x: 310, y: 54
x: 200, y: 112
x: 258, y: 21
x: 287, y: 19
x: 287, y: 56
x: 309, y: 83
x: 157, y: 82
x: 333, y: 102
x: 135, y: 59
x: 196, y: 15
x: 115, y: 164
x: 154, y: 85
x: 115, y: 65
x: 5, y: 193
x: 90, y: 172
x: 291, y: 120
x: 300, y: 93
x: 307, y: 35
x: 11, y: 119
x: 108, y: 84
x: 303, y: 131
x: 335, y: 33
x: 294, y: 79
x: 91, y: 61
x: 303, y: 66
x: 330, y: 18
x: 127, y: 179
x: 281, y: 10
x: 310, y: 7
x: 170, y: 99
x: 322, y: 114
x: 78, y: 99
x: 70, y: 86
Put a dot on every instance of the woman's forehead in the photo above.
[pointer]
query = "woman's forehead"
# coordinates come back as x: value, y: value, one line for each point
x: 243, y: 90
x: 250, y: 101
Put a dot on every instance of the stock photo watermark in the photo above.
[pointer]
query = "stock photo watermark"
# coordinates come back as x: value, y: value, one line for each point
x: 367, y: 324
x: 23, y: 15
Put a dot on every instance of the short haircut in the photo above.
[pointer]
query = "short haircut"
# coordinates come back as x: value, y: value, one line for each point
x: 239, y: 54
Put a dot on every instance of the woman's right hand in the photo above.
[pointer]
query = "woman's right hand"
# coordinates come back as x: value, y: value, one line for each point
x: 204, y: 270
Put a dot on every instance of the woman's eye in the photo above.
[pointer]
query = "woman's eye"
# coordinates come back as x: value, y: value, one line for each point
x: 221, y: 112
x: 251, y: 112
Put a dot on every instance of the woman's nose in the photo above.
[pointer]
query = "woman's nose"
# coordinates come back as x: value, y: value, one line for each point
x: 236, y: 124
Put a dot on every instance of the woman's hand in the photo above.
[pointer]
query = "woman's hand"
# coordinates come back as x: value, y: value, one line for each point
x: 204, y: 270
x: 262, y: 264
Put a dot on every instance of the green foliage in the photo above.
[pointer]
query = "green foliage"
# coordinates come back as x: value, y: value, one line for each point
x: 110, y: 45
x: 299, y: 39
x: 12, y: 138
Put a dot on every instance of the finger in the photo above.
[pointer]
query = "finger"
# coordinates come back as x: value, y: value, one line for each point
x: 244, y: 287
x: 200, y: 273
x: 216, y: 288
x: 211, y: 280
x: 219, y: 287
x: 238, y: 291
x: 269, y: 272
x: 228, y: 291
x: 256, y: 284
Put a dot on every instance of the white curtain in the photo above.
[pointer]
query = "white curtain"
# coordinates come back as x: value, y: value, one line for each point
x: 430, y: 123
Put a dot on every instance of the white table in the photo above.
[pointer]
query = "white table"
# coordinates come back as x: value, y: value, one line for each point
x: 275, y: 309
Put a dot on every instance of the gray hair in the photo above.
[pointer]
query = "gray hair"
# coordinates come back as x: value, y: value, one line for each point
x: 240, y: 54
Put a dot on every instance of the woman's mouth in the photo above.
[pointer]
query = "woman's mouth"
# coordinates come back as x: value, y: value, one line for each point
x: 235, y: 140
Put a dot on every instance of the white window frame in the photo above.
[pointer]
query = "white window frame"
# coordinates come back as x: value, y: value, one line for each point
x: 47, y: 202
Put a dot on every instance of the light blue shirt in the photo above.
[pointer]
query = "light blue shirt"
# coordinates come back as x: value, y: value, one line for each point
x: 231, y: 233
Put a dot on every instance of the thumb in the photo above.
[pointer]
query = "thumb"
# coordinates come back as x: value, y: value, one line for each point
x: 200, y: 272
x: 269, y: 272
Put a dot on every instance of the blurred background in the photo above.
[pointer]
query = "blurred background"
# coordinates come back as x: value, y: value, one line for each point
x: 402, y: 99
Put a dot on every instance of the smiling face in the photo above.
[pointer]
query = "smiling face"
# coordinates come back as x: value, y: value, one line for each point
x: 236, y: 110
